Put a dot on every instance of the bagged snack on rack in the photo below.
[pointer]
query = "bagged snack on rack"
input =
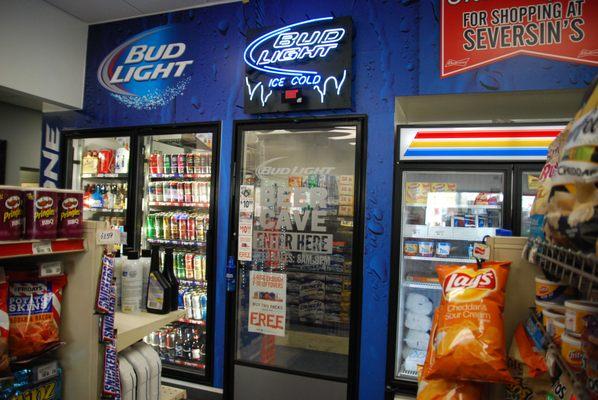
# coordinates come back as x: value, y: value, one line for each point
x: 42, y: 381
x: 34, y: 312
x: 4, y: 326
x: 467, y: 340
x: 572, y: 209
x: 528, y: 368
x: 440, y: 389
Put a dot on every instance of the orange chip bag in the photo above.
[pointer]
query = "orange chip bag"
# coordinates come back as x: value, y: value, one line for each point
x: 467, y: 340
x: 34, y: 313
x: 441, y: 389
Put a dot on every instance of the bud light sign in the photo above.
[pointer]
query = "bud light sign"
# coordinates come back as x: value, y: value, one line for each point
x: 149, y: 70
x: 301, y: 66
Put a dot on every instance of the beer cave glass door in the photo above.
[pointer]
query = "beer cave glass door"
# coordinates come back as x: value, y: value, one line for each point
x: 176, y: 213
x: 529, y: 184
x: 100, y: 168
x: 296, y: 240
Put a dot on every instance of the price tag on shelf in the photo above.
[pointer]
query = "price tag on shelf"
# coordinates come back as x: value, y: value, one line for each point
x: 110, y: 236
x: 53, y: 268
x: 43, y: 247
x: 46, y: 371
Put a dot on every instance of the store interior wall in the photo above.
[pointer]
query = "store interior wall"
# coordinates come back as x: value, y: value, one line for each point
x: 21, y: 128
x: 43, y: 54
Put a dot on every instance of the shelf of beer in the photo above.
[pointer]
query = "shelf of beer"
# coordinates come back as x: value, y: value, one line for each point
x: 104, y: 176
x: 178, y: 204
x: 441, y: 259
x: 177, y: 242
x: 26, y: 248
x: 193, y: 321
x: 131, y: 328
x: 180, y: 176
x: 104, y: 210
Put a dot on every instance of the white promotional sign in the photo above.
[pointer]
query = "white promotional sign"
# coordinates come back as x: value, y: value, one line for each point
x: 267, y: 303
x: 246, y: 208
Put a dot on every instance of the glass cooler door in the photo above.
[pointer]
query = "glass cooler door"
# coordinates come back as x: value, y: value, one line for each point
x: 176, y: 210
x: 529, y: 184
x: 442, y: 214
x: 100, y: 168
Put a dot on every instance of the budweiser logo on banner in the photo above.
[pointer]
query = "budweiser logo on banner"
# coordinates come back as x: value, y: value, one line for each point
x: 480, y: 32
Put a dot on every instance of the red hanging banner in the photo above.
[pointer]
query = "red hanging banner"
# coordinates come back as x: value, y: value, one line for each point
x: 480, y: 32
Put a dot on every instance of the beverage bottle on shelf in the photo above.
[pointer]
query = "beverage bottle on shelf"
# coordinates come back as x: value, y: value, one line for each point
x: 196, y: 346
x: 162, y: 343
x: 166, y: 226
x: 180, y: 192
x: 174, y: 227
x: 118, y: 271
x: 187, y: 345
x: 203, y: 304
x: 153, y: 163
x: 158, y: 288
x: 131, y: 283
x: 150, y: 230
x: 178, y: 345
x: 151, y: 192
x: 196, y: 163
x: 167, y: 163
x: 145, y: 261
x: 86, y: 195
x: 96, y: 198
x: 172, y: 280
x: 123, y: 195
x: 170, y: 344
x: 121, y: 162
x: 181, y: 163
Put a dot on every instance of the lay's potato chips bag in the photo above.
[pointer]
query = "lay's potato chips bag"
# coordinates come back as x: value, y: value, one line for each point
x: 467, y: 340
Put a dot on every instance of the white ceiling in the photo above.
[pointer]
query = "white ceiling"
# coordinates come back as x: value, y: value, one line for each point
x: 94, y: 11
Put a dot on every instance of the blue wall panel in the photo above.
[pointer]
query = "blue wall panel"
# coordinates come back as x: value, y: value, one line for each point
x: 395, y: 54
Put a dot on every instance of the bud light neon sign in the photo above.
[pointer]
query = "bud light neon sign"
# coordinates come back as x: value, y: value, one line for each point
x: 313, y: 55
x: 149, y: 70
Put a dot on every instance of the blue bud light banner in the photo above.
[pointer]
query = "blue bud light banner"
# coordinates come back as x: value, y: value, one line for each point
x: 302, y: 66
x: 150, y: 69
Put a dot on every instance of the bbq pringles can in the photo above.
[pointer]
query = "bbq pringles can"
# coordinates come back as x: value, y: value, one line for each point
x: 11, y: 212
x: 41, y: 213
x: 70, y: 214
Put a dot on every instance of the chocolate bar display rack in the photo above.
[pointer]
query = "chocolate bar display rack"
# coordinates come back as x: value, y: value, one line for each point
x: 559, y: 263
x: 553, y: 353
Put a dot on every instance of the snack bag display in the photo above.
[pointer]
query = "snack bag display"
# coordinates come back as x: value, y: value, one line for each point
x: 441, y: 389
x: 37, y: 382
x: 467, y: 340
x: 572, y: 208
x: 34, y: 312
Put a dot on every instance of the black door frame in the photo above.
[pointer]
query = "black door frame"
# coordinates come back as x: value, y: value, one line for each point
x: 360, y: 121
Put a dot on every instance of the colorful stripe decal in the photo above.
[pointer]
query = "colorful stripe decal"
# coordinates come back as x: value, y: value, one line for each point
x: 495, y: 152
x: 462, y: 143
x: 486, y: 134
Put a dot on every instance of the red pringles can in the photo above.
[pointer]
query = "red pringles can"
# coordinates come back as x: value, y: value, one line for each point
x: 70, y: 219
x: 41, y: 213
x: 11, y: 211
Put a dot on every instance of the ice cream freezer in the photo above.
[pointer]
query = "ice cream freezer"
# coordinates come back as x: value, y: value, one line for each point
x: 454, y: 186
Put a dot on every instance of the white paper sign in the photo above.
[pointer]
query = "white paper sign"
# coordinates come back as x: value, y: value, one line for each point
x: 111, y: 236
x: 481, y: 251
x: 244, y: 248
x: 43, y: 247
x: 246, y: 202
x: 267, y: 303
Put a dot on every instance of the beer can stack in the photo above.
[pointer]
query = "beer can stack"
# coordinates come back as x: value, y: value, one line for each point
x: 179, y: 192
x: 177, y: 226
x: 180, y: 344
x: 179, y: 165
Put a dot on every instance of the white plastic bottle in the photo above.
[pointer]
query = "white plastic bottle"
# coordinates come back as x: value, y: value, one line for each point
x: 132, y: 285
x: 155, y: 365
x: 142, y: 370
x: 128, y: 379
x: 118, y: 274
x: 145, y: 260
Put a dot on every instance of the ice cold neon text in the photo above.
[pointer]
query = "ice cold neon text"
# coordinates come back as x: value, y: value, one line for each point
x: 295, y: 81
x: 156, y: 70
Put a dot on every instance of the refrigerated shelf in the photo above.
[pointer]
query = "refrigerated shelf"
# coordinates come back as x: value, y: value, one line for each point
x: 26, y: 248
x: 178, y: 242
x: 441, y: 259
x: 105, y: 210
x: 468, y: 234
x: 181, y: 176
x: 472, y: 206
x: 177, y: 204
x: 422, y: 285
x: 130, y: 328
x: 104, y: 176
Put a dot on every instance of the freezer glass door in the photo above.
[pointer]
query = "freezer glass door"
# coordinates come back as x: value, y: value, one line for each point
x: 296, y: 241
x: 442, y: 214
x: 101, y: 169
x: 176, y: 209
x: 529, y: 186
